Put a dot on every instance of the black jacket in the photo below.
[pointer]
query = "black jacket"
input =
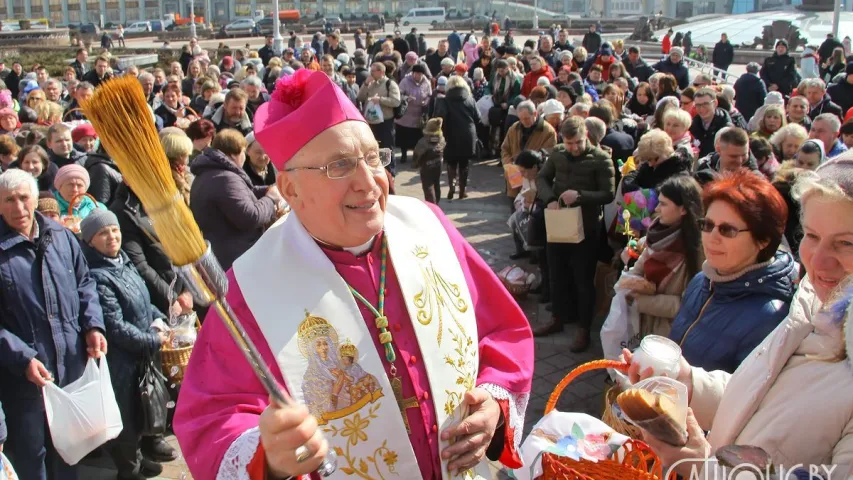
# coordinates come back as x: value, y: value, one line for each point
x: 185, y: 60
x: 651, y: 177
x: 708, y: 167
x: 422, y: 45
x: 622, y: 146
x: 165, y: 114
x: 749, y: 94
x: 592, y: 42
x: 401, y: 46
x: 842, y: 94
x: 104, y: 176
x: 231, y: 212
x: 256, y: 179
x: 724, y: 54
x: 706, y: 137
x: 827, y: 47
x: 826, y: 105
x: 678, y: 70
x: 142, y: 245
x: 341, y: 48
x: 780, y: 70
x: 93, y: 78
x: 434, y: 62
x: 412, y: 40
x: 642, y: 71
x: 266, y: 53
x: 80, y: 70
x: 461, y: 117
x: 252, y: 106
x: 75, y: 157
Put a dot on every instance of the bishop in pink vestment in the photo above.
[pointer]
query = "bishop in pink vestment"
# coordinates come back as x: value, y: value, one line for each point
x: 221, y: 400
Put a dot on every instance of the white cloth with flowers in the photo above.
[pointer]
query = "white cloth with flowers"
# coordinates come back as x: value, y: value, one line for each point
x: 573, y: 435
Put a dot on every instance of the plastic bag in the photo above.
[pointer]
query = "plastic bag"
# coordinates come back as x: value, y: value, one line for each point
x: 485, y: 104
x: 153, y: 397
x: 664, y: 413
x: 373, y: 113
x: 621, y: 330
x: 183, y: 330
x: 84, y: 415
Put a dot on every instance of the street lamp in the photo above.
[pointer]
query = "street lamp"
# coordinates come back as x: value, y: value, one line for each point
x: 276, y: 29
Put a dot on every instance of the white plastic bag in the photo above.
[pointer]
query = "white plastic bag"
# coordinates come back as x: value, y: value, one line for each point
x: 621, y: 330
x: 373, y: 113
x: 84, y: 415
x: 485, y: 104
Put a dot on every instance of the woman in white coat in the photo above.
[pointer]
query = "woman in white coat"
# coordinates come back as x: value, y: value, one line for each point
x: 793, y: 395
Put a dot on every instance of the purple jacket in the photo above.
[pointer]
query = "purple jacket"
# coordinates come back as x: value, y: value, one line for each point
x: 421, y: 92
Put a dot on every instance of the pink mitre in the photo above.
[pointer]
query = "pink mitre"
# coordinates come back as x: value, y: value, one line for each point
x: 302, y: 106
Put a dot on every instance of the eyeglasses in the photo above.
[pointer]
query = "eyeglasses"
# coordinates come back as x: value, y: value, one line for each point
x: 703, y: 104
x: 725, y: 229
x: 345, y: 167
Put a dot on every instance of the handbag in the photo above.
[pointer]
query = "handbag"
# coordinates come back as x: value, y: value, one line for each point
x: 536, y: 234
x: 564, y: 225
x: 154, y: 397
x: 496, y: 116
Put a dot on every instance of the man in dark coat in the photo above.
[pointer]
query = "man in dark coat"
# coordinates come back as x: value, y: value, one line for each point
x: 100, y: 73
x: 621, y: 144
x: 79, y: 64
x: 592, y: 40
x: 412, y: 40
x: 819, y: 101
x: 636, y: 66
x: 51, y: 323
x: 708, y: 121
x: 780, y: 70
x: 434, y: 61
x: 827, y: 47
x: 233, y: 113
x: 454, y: 45
x: 60, y: 147
x: 266, y: 52
x: 422, y: 45
x: 730, y: 153
x: 724, y: 54
x: 336, y: 46
x: 842, y: 92
x: 750, y: 91
x: 674, y: 65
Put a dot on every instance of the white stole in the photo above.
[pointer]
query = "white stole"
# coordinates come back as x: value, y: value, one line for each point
x: 325, y: 349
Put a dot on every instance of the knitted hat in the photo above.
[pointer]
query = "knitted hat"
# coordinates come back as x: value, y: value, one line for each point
x: 442, y: 81
x: 774, y: 98
x: 5, y: 112
x: 448, y: 61
x: 676, y: 51
x: 70, y: 172
x: 343, y: 58
x: 83, y: 130
x: 782, y: 42
x: 461, y: 68
x: 433, y: 126
x: 551, y: 106
x: 606, y: 49
x: 95, y: 221
x: 47, y: 203
x: 838, y: 171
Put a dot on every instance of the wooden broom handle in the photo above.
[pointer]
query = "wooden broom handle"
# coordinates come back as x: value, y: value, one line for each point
x: 581, y: 369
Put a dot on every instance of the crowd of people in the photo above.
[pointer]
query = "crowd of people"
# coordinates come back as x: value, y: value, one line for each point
x: 732, y: 176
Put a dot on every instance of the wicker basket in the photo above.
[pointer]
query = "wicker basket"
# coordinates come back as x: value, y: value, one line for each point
x: 639, y: 462
x: 517, y: 290
x: 71, y: 221
x: 176, y: 359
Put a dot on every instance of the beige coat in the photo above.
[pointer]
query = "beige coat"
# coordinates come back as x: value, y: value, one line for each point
x: 544, y: 137
x: 388, y: 92
x: 796, y: 407
x: 658, y: 310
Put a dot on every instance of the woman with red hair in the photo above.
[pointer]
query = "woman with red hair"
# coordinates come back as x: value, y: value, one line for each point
x: 746, y: 284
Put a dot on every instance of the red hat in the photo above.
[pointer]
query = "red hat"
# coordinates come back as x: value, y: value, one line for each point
x: 83, y: 130
x: 461, y: 68
x: 302, y: 106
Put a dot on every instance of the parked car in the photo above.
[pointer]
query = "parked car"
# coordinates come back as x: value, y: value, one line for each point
x: 138, y: 27
x: 156, y: 25
x: 265, y: 26
x: 336, y: 22
x: 88, y: 28
x: 244, y: 27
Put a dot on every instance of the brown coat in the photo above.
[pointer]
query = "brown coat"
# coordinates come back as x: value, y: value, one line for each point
x: 657, y: 311
x: 544, y: 137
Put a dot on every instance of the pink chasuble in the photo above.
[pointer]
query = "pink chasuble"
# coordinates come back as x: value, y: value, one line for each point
x: 221, y: 399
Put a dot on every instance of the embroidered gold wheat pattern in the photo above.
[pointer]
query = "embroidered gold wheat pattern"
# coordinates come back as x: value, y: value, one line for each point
x: 353, y: 433
x: 437, y: 296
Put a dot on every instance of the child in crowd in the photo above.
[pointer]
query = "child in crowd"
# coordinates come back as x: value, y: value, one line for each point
x: 428, y: 157
x: 847, y: 134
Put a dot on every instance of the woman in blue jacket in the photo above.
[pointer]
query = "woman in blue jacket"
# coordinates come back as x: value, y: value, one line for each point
x: 746, y: 284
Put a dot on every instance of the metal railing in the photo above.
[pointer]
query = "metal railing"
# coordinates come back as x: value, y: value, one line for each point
x: 711, y: 70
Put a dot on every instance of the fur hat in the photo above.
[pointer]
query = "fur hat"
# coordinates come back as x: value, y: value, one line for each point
x: 433, y: 126
x: 48, y: 204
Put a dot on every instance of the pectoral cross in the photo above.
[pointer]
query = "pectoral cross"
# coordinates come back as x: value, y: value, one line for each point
x: 403, y: 403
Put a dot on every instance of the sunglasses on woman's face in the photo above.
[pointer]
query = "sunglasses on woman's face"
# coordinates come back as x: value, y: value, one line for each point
x: 725, y: 229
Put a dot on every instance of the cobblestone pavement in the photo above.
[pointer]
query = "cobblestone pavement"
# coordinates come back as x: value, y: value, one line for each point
x: 482, y: 219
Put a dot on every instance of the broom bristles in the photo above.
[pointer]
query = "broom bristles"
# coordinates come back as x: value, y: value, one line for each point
x: 121, y: 116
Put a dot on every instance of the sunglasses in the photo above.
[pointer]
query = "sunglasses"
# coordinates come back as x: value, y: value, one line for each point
x: 725, y: 229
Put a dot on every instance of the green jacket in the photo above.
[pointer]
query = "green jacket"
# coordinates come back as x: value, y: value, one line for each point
x: 497, y: 85
x: 590, y: 174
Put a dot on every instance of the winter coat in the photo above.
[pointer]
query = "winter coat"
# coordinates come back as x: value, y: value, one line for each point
x: 388, y: 92
x: 405, y: 69
x: 678, y: 70
x: 826, y: 105
x: 74, y: 157
x: 244, y: 126
x: 417, y: 107
x: 229, y: 210
x: 104, y: 176
x: 749, y: 94
x: 434, y: 62
x: 706, y: 137
x: 252, y: 106
x: 454, y: 45
x: 651, y: 177
x: 666, y: 44
x: 592, y: 42
x: 266, y: 181
x: 128, y: 314
x: 708, y: 167
x: 605, y: 66
x: 92, y: 77
x: 471, y: 54
x: 461, y: 117
x: 641, y: 70
x: 505, y: 89
x: 809, y: 64
x: 827, y: 47
x: 531, y: 78
x: 47, y: 310
x: 422, y: 45
x: 142, y: 245
x: 687, y: 42
x: 590, y: 174
x: 723, y: 318
x: 842, y: 94
x: 786, y: 397
x: 429, y: 152
x: 621, y: 144
x: 724, y: 54
x: 780, y: 70
x: 187, y: 85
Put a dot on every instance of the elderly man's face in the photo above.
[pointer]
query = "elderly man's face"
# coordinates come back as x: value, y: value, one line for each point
x: 84, y: 94
x: 234, y: 110
x: 52, y: 91
x: 526, y: 118
x: 797, y: 109
x: 546, y: 44
x: 147, y: 85
x: 17, y: 206
x: 815, y: 95
x: 344, y: 212
x: 411, y: 60
x: 305, y: 56
x: 674, y: 57
x: 376, y: 73
x: 60, y: 143
x: 823, y: 131
x: 253, y: 91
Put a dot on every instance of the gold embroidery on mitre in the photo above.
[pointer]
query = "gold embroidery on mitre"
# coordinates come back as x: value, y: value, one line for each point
x: 437, y: 295
x: 334, y: 385
x: 353, y: 433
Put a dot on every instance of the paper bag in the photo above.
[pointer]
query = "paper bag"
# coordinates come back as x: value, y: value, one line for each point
x: 514, y: 179
x: 564, y: 225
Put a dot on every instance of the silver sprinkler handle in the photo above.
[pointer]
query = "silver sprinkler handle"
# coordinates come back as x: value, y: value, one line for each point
x: 208, y: 285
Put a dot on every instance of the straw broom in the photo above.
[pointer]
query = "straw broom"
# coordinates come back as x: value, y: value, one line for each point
x: 121, y: 116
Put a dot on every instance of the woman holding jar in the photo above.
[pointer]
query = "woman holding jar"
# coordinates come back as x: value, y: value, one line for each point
x: 746, y: 284
x: 792, y: 394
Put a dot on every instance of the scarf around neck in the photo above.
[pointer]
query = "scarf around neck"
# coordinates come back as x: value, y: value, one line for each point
x: 667, y: 253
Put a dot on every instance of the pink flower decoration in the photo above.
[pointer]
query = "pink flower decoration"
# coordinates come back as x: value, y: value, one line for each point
x: 290, y: 90
x: 640, y: 199
x: 647, y: 222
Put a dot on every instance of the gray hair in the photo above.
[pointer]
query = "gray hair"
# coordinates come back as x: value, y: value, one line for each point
x: 253, y: 81
x: 14, y: 178
x: 52, y: 81
x: 595, y: 129
x: 815, y: 83
x: 526, y: 105
x: 831, y: 119
x: 753, y: 67
x: 790, y: 130
x: 728, y: 92
x: 580, y: 109
x: 145, y: 76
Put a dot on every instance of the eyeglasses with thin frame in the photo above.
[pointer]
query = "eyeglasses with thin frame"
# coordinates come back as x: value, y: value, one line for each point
x: 344, y: 167
x: 725, y: 229
x: 703, y: 104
